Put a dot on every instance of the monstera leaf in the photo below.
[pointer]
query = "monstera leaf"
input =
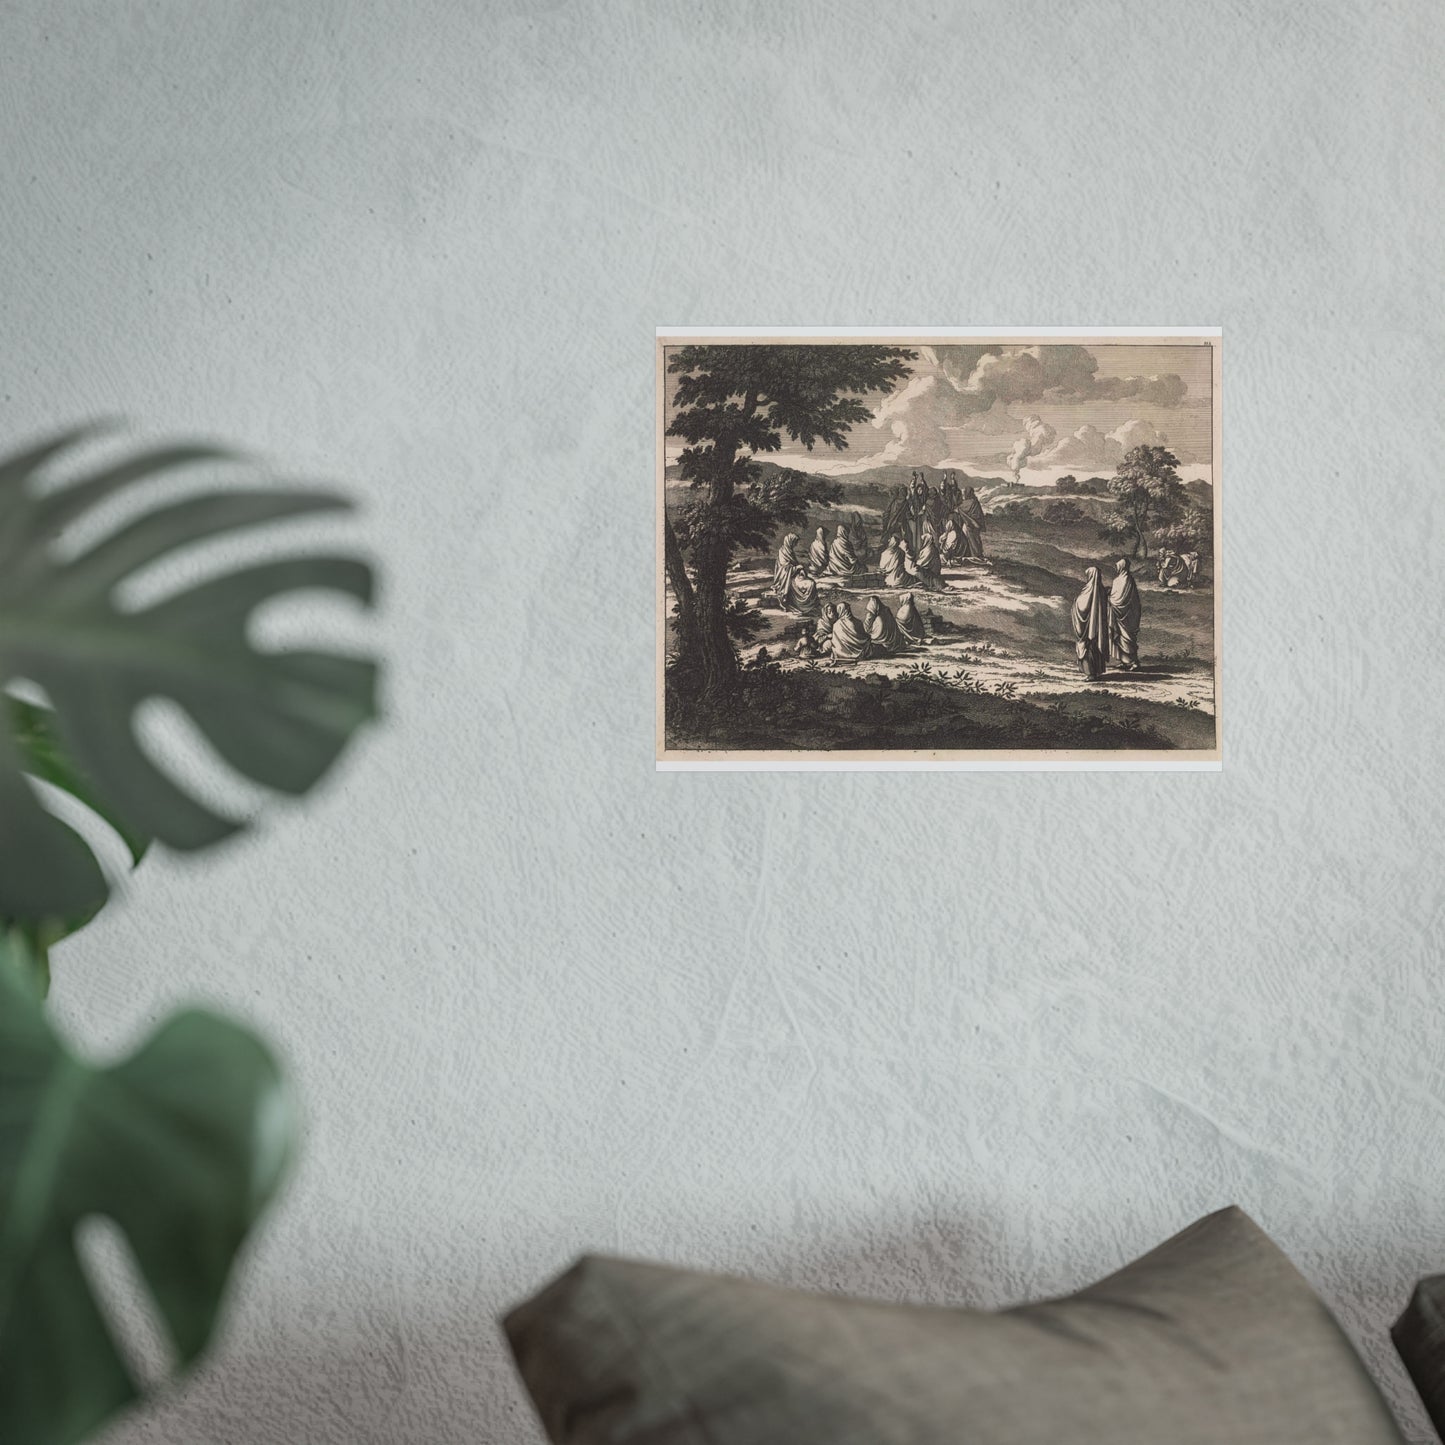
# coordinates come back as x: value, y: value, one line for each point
x: 34, y: 732
x: 280, y: 718
x: 181, y: 1144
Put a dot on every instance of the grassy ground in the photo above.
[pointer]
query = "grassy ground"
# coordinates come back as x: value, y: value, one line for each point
x: 827, y: 708
x: 998, y: 670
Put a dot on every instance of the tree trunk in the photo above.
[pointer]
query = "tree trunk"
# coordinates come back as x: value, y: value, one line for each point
x: 1141, y: 529
x: 719, y: 661
x: 710, y: 565
x: 687, y: 640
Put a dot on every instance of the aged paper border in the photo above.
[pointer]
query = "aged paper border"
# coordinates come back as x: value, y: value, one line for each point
x: 940, y: 760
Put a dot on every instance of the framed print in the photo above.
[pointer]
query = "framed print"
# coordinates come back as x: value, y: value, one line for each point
x: 938, y: 549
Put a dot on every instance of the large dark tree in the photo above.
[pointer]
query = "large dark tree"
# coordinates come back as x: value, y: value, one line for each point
x: 1146, y: 490
x: 734, y: 402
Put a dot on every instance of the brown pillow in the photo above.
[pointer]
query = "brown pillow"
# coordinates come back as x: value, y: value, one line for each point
x: 1419, y: 1336
x: 1213, y: 1337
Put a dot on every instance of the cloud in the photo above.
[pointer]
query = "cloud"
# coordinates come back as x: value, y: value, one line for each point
x: 1089, y: 447
x: 907, y: 429
x: 912, y: 417
x: 1032, y: 373
x: 1048, y: 373
x: 1138, y: 434
x: 998, y: 420
x: 1166, y: 390
x: 970, y: 389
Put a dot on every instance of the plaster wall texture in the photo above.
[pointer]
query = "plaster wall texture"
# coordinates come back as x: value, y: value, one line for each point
x: 949, y: 1038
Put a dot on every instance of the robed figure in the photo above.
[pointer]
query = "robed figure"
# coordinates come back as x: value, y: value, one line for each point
x: 1125, y: 609
x: 823, y: 631
x: 895, y: 511
x: 970, y: 515
x: 923, y: 567
x: 806, y: 647
x: 937, y: 509
x: 951, y: 543
x: 858, y: 536
x: 952, y: 494
x: 850, y: 641
x: 1178, y: 569
x: 794, y: 589
x: 915, y: 516
x: 890, y: 564
x: 818, y: 553
x: 882, y: 628
x: 910, y: 623
x: 1091, y: 625
x: 927, y: 560
x: 842, y: 559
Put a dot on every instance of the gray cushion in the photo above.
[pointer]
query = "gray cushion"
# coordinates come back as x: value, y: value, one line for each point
x: 1419, y: 1336
x: 1212, y: 1337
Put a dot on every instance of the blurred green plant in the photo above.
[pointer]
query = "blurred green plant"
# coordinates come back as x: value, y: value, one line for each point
x: 183, y: 1143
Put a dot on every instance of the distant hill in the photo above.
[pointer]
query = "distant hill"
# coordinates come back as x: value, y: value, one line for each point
x: 869, y: 491
x: 876, y: 476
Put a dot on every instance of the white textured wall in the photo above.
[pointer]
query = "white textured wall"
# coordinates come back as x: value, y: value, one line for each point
x: 952, y: 1038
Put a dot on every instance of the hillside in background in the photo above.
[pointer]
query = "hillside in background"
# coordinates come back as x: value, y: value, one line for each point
x: 869, y: 491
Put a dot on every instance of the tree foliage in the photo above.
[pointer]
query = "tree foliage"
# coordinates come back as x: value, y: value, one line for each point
x: 1147, y: 492
x: 1062, y: 511
x: 745, y: 622
x: 752, y: 396
x: 1194, y: 531
x: 732, y: 405
x: 751, y: 517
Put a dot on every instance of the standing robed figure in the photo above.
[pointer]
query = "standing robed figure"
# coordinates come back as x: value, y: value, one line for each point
x: 916, y: 513
x: 1125, y: 609
x: 895, y: 512
x: 1090, y: 617
x: 970, y: 514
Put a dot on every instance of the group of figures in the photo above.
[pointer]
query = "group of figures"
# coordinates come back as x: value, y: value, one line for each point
x: 1106, y: 621
x: 922, y: 529
x: 845, y: 638
x: 952, y: 516
x: 842, y: 558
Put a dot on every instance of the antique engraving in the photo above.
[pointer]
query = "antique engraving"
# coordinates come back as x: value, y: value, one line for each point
x: 940, y: 547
